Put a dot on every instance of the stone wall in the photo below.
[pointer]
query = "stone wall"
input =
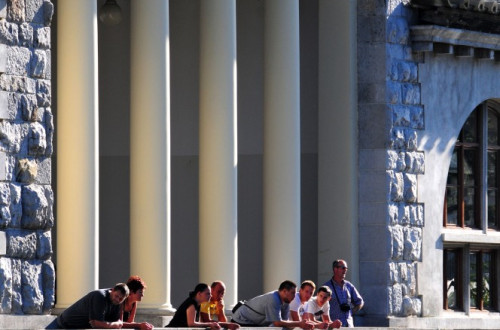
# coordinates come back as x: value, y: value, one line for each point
x: 27, y: 275
x: 404, y: 163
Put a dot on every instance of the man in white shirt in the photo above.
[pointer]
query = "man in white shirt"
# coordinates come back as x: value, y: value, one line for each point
x: 301, y: 298
x: 317, y: 310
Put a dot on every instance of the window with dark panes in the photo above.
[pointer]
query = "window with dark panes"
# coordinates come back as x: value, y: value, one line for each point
x: 471, y: 204
x: 462, y: 186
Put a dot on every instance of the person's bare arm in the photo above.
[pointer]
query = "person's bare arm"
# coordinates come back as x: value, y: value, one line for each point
x: 106, y: 325
x: 295, y: 316
x: 192, y: 323
x: 307, y: 325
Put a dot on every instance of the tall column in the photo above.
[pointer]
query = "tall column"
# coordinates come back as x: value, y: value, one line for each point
x: 77, y: 151
x: 150, y: 150
x: 337, y: 137
x: 281, y: 143
x: 218, y: 147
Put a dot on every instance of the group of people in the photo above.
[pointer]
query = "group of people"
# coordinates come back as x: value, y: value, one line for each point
x: 286, y: 307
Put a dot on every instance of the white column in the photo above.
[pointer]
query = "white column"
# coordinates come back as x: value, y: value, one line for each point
x: 218, y: 243
x: 150, y: 150
x: 281, y: 143
x: 337, y: 137
x: 77, y: 151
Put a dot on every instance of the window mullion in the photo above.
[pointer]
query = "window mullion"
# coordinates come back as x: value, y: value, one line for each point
x: 466, y: 276
x: 483, y: 168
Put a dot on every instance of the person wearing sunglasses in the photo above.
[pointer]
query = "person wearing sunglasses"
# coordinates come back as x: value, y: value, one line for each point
x: 345, y: 297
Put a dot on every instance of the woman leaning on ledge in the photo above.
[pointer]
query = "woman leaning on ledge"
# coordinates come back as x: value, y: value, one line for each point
x: 187, y: 315
x: 137, y: 287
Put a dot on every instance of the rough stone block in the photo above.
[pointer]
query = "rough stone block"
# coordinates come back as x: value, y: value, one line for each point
x: 395, y: 299
x: 10, y: 137
x: 26, y: 171
x: 21, y: 244
x: 48, y: 11
x: 412, y: 244
x: 397, y: 242
x: 16, y: 207
x: 44, y: 171
x: 16, y: 11
x: 34, y: 11
x: 9, y: 33
x: 40, y: 64
x: 411, y: 306
x: 25, y: 35
x: 49, y: 131
x: 393, y: 213
x: 396, y: 186
x: 3, y: 58
x: 410, y: 188
x: 5, y: 285
x: 398, y: 31
x: 31, y: 281
x: 415, y: 162
x: 410, y: 93
x: 404, y: 214
x: 43, y: 93
x: 393, y: 93
x: 44, y: 250
x: 417, y: 117
x: 6, y: 166
x: 27, y: 106
x: 392, y: 160
x: 3, y: 243
x: 48, y: 285
x: 398, y: 139
x: 42, y: 38
x: 401, y: 116
x: 417, y: 215
x: 17, y: 84
x: 37, y: 140
x: 411, y: 139
x: 17, y: 300
x: 18, y: 61
x: 36, y: 208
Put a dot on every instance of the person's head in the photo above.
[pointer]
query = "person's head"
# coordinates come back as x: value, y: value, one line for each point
x: 218, y: 290
x: 306, y: 290
x: 201, y: 293
x: 339, y: 270
x: 136, y: 286
x: 324, y: 295
x: 287, y: 291
x: 118, y: 294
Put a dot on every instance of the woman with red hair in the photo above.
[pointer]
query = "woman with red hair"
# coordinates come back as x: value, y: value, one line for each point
x: 137, y: 287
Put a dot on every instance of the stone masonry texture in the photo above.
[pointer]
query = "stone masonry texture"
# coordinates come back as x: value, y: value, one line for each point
x: 27, y: 275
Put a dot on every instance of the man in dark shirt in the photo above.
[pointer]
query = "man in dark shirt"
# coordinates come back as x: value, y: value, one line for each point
x: 98, y: 309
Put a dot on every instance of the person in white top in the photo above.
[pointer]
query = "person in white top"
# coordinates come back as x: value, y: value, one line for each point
x: 301, y: 298
x: 317, y: 310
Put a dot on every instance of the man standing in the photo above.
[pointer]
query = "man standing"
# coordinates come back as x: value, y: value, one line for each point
x: 301, y: 297
x: 270, y: 309
x: 97, y: 309
x: 345, y: 298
